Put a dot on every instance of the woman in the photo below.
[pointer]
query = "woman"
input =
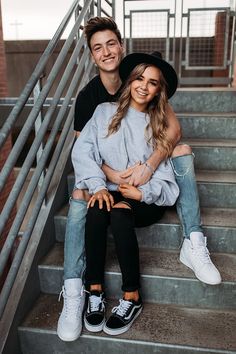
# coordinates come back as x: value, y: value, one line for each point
x: 121, y: 135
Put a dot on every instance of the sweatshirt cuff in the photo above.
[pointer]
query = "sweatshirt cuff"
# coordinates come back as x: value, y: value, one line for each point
x: 97, y: 189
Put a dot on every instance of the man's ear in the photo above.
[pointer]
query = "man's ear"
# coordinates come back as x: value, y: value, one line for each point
x: 92, y: 58
x: 123, y: 49
x: 91, y: 55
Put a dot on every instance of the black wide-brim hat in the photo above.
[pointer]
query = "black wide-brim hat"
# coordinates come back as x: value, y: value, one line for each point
x: 134, y: 59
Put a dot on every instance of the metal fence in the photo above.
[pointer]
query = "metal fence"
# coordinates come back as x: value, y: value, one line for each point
x: 197, y: 39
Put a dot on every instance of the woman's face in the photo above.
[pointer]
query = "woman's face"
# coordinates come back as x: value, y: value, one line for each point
x: 145, y: 88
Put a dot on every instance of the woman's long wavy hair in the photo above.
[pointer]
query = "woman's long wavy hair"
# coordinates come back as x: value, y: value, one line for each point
x: 156, y: 109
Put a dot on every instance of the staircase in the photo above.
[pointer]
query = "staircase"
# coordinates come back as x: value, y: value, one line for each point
x: 181, y: 314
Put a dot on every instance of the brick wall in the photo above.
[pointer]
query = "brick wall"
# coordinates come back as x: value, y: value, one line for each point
x: 3, y: 69
x: 4, y: 152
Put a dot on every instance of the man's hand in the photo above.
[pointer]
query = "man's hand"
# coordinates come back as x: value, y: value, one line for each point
x: 141, y: 174
x: 117, y: 176
x: 101, y: 196
x: 129, y: 191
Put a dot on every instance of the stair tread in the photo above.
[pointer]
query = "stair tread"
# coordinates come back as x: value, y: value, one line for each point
x: 153, y: 262
x: 212, y: 176
x: 206, y: 114
x: 195, y: 142
x: 215, y: 217
x: 158, y: 323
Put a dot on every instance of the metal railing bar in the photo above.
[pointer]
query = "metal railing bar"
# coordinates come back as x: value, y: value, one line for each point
x: 105, y: 13
x: 12, y: 158
x: 25, y: 239
x: 232, y: 48
x: 101, y: 10
x: 99, y: 7
x: 38, y: 139
x: 6, y: 129
x: 108, y: 2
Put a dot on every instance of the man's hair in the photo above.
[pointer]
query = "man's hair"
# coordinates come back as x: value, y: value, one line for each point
x: 96, y: 24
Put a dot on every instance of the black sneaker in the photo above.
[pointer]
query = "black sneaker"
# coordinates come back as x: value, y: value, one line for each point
x: 94, y: 317
x: 123, y: 316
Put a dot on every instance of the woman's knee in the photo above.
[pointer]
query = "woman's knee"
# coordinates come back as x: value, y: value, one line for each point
x: 181, y: 150
x: 122, y: 205
x: 120, y: 213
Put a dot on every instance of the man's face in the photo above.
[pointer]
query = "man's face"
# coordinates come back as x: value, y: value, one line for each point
x: 106, y: 50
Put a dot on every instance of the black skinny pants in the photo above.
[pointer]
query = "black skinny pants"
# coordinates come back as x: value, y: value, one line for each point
x: 123, y: 222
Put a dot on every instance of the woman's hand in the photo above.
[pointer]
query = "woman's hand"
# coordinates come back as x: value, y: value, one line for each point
x: 140, y: 175
x: 129, y: 191
x: 119, y: 177
x: 101, y: 196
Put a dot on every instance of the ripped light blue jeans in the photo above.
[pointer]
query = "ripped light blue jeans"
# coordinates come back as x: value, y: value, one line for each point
x: 74, y: 249
x: 187, y: 206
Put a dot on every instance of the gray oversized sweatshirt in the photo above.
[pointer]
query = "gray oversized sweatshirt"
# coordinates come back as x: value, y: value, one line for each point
x: 119, y: 151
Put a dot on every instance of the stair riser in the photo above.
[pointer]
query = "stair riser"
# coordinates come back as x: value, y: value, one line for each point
x: 47, y: 342
x: 215, y: 158
x: 186, y: 292
x: 204, y: 101
x: 216, y: 195
x: 165, y: 290
x: 169, y: 236
x: 208, y: 127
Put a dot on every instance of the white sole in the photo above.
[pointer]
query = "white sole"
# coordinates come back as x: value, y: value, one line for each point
x: 123, y: 329
x: 185, y: 262
x: 71, y: 339
x: 94, y: 329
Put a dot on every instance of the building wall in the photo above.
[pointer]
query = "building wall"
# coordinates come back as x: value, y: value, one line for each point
x: 22, y: 57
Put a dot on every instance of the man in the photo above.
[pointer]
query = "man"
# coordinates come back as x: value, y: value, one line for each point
x: 104, y: 41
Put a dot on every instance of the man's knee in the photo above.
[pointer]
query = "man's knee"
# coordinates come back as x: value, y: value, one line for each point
x: 81, y: 194
x: 181, y: 150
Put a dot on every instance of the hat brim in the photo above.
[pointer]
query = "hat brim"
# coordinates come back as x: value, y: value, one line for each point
x: 134, y: 59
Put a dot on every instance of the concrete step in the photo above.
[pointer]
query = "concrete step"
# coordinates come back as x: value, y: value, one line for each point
x: 219, y: 226
x: 216, y: 188
x: 164, y: 278
x: 208, y: 125
x: 164, y: 329
x: 204, y: 100
x: 213, y: 154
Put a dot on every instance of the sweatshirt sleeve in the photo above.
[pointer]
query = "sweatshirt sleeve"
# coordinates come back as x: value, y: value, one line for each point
x: 162, y: 188
x: 87, y: 161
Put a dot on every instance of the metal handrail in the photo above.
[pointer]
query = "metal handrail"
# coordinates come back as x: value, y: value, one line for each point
x: 35, y: 76
x: 76, y: 71
x: 13, y: 156
x: 39, y: 201
x: 40, y: 166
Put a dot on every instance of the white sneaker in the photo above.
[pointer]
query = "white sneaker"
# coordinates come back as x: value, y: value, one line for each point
x: 69, y: 325
x: 195, y: 255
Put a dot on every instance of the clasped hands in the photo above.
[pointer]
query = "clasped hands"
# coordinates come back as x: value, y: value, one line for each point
x: 128, y: 181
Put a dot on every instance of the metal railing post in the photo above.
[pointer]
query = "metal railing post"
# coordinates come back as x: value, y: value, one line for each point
x: 37, y: 125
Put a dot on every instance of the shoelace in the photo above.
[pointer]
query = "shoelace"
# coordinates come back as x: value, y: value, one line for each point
x: 122, y: 308
x: 72, y: 303
x: 95, y: 302
x: 203, y: 253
